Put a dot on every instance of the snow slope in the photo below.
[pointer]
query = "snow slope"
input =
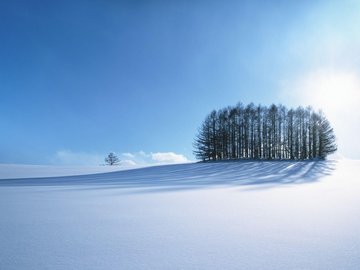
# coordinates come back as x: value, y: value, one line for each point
x: 11, y: 171
x: 225, y: 215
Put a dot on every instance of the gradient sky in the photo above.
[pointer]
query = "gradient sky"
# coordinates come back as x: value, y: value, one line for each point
x: 81, y: 78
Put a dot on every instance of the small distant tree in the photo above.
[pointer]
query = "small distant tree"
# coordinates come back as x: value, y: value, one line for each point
x: 112, y: 159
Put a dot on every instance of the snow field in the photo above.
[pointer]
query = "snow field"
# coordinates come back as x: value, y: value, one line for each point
x: 226, y: 215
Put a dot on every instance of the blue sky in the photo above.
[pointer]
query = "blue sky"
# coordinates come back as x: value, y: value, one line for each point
x: 79, y: 79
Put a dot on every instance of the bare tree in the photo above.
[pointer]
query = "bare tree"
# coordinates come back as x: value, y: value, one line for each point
x: 112, y: 159
x: 274, y: 132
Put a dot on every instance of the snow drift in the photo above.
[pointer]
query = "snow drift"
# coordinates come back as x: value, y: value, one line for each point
x: 225, y: 215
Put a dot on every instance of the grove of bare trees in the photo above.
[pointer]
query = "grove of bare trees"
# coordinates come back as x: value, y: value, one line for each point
x: 260, y: 132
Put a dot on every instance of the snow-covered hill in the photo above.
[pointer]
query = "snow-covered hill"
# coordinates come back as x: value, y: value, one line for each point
x: 12, y: 171
x: 225, y: 215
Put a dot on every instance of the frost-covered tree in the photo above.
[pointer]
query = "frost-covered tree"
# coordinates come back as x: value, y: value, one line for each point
x: 112, y: 159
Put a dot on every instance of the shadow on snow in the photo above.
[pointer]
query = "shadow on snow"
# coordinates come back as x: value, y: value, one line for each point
x: 194, y: 175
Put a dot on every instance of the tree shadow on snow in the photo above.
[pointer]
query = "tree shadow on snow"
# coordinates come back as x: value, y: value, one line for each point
x: 192, y: 176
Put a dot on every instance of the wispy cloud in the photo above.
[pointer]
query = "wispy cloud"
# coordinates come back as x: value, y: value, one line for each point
x: 142, y: 158
x: 127, y: 160
x: 168, y: 157
x: 128, y: 155
x: 127, y: 163
x: 68, y: 157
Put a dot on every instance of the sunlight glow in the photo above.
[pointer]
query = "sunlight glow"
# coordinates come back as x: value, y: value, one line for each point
x: 332, y: 91
x: 337, y: 94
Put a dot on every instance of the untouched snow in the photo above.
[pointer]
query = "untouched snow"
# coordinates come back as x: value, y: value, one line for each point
x: 12, y: 171
x: 225, y: 215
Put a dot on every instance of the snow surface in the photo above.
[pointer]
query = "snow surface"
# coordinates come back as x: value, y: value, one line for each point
x: 10, y: 171
x: 225, y: 215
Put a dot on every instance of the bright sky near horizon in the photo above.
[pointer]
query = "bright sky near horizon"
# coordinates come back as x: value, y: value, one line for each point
x: 79, y: 79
